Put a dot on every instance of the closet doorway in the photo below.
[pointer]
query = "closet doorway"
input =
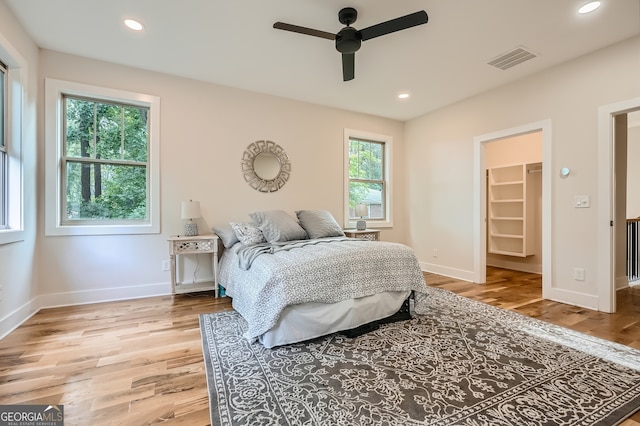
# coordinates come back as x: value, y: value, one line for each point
x: 499, y: 149
x: 514, y: 202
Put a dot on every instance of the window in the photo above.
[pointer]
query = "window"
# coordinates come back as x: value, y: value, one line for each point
x: 3, y: 148
x: 367, y: 172
x: 105, y: 160
x: 13, y: 77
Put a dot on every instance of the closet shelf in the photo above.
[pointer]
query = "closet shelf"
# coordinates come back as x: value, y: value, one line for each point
x: 514, y: 236
x: 513, y: 200
x: 515, y: 182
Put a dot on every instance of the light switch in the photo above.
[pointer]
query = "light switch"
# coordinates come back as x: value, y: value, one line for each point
x: 582, y: 201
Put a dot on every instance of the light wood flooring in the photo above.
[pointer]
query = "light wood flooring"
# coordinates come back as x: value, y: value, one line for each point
x: 140, y: 362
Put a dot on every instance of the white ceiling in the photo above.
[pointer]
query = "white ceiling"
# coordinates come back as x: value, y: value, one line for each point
x: 232, y: 43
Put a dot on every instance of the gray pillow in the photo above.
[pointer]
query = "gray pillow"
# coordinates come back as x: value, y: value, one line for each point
x: 278, y: 225
x: 319, y: 223
x: 248, y: 233
x: 226, y: 234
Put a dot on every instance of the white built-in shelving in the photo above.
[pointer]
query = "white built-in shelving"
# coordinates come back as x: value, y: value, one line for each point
x: 511, y: 210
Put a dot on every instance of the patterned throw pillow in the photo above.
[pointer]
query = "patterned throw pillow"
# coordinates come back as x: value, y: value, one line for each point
x: 247, y: 233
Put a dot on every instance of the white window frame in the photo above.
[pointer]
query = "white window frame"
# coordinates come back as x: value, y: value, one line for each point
x: 4, y: 205
x: 388, y: 172
x: 14, y: 183
x: 55, y: 223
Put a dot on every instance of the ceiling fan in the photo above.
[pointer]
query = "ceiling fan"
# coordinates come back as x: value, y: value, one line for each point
x: 348, y: 39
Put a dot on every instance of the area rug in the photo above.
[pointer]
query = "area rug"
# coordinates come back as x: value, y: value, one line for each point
x: 465, y: 363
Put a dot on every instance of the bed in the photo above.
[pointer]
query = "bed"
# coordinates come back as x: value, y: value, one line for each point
x: 292, y: 285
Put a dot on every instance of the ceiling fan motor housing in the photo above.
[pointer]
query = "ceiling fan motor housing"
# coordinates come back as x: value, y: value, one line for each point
x: 348, y: 40
x: 347, y: 16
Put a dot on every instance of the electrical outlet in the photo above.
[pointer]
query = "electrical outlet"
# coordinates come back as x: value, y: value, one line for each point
x: 578, y: 274
x: 435, y: 253
x: 166, y: 265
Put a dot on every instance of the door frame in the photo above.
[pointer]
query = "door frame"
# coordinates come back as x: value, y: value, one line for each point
x: 480, y: 198
x: 607, y: 195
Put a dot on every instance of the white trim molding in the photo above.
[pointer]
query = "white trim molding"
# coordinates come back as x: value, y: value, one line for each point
x: 16, y: 92
x: 54, y: 91
x: 480, y: 199
x: 388, y: 170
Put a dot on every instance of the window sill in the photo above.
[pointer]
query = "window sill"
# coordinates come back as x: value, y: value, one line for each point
x: 371, y: 224
x: 78, y: 230
x: 8, y: 236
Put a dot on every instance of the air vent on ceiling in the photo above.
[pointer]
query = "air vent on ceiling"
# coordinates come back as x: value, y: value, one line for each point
x: 512, y: 58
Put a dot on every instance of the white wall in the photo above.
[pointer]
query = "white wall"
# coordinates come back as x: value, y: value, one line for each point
x: 520, y: 149
x: 439, y: 162
x: 18, y: 272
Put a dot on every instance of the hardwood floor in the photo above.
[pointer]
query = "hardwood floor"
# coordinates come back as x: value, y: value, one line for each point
x: 139, y: 362
x: 134, y: 362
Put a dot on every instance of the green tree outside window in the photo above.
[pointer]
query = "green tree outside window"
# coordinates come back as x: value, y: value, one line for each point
x: 366, y: 177
x: 105, y: 160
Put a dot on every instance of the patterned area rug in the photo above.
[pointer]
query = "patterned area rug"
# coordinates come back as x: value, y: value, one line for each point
x: 465, y: 363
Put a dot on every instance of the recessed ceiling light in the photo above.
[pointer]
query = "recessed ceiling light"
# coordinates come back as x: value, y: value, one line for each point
x: 403, y: 95
x: 133, y: 24
x: 589, y: 7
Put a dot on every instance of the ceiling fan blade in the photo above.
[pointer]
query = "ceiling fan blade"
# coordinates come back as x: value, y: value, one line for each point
x: 304, y: 30
x: 402, y: 23
x: 348, y: 66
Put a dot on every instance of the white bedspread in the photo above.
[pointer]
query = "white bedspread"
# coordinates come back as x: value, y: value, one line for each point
x: 326, y: 272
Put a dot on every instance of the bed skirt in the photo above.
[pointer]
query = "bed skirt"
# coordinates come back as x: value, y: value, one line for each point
x: 310, y: 320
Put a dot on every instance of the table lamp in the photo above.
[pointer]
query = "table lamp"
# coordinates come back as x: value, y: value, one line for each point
x: 190, y: 210
x: 361, y: 210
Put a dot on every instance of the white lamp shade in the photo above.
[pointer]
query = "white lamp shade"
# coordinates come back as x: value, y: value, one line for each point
x: 362, y: 210
x: 191, y: 209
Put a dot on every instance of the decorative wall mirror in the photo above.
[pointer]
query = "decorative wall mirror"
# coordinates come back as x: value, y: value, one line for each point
x: 265, y: 166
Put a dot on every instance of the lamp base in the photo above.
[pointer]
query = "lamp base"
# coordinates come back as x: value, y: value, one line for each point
x: 361, y: 225
x: 190, y: 229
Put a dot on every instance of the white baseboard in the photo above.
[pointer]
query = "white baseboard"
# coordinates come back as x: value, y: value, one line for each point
x: 447, y: 272
x: 55, y: 300
x: 18, y: 316
x: 571, y: 298
x: 15, y: 318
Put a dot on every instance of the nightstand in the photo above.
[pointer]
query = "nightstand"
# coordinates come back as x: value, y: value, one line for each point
x: 181, y: 245
x: 367, y: 234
